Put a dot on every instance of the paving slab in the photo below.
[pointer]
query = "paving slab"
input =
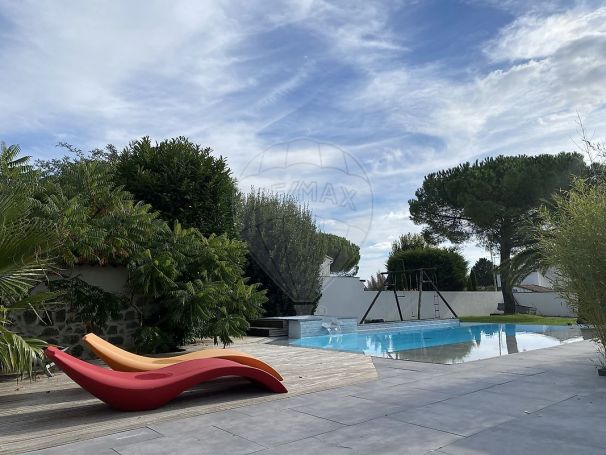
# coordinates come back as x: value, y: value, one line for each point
x: 191, y: 426
x: 593, y: 405
x: 506, y: 404
x: 349, y: 410
x: 461, y: 385
x: 102, y: 445
x: 517, y: 439
x: 583, y: 430
x: 279, y: 427
x: 307, y: 446
x: 532, y: 390
x: 385, y: 435
x: 442, y: 416
x: 267, y: 429
x: 405, y: 395
x: 514, y: 369
x: 209, y: 441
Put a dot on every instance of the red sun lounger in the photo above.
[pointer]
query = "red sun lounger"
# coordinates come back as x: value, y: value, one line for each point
x: 131, y: 391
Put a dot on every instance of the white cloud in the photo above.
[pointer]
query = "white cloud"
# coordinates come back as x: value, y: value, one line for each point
x: 398, y: 215
x: 99, y: 72
x: 504, y: 111
x: 536, y: 37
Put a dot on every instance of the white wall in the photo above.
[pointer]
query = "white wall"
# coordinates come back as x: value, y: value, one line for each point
x: 346, y: 297
x: 546, y: 303
x: 109, y: 278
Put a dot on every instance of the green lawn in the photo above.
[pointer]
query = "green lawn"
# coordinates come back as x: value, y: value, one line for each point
x: 520, y: 319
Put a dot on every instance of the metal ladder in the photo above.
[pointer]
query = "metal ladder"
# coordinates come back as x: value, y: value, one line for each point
x: 436, y: 306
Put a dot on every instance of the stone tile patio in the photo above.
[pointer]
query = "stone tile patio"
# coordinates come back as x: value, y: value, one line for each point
x: 546, y: 401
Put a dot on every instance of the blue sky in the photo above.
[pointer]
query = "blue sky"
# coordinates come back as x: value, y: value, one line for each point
x: 348, y: 104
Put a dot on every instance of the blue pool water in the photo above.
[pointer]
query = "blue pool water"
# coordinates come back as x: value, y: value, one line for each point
x: 457, y: 344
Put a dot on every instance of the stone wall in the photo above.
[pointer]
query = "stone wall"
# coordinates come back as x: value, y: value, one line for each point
x: 59, y: 327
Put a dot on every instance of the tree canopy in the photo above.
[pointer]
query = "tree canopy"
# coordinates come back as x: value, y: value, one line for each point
x: 182, y: 181
x: 285, y: 249
x: 345, y: 254
x: 409, y: 241
x: 491, y: 200
x: 450, y: 267
x: 482, y: 273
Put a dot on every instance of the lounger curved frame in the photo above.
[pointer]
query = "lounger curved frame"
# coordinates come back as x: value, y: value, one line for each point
x: 136, y: 391
x: 121, y: 360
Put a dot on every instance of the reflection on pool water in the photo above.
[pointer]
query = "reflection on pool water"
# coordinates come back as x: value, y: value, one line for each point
x: 464, y: 343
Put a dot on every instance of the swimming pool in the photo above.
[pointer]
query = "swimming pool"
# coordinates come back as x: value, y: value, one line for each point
x: 463, y: 343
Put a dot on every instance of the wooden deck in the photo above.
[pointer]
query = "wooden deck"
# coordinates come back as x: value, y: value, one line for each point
x: 54, y: 411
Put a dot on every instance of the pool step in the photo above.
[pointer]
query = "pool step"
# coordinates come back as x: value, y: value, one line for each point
x: 268, y: 328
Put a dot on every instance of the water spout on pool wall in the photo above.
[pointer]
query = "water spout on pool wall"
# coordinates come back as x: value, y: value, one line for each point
x: 333, y: 327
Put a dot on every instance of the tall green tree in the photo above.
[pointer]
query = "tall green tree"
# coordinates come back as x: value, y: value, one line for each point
x: 182, y: 180
x: 345, y: 254
x: 286, y: 250
x: 449, y: 267
x: 492, y: 200
x: 482, y: 273
x: 409, y: 241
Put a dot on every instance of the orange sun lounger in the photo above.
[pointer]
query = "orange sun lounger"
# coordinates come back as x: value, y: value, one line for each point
x: 121, y: 360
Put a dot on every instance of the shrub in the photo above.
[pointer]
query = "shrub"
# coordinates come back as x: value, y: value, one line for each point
x: 450, y: 267
x: 26, y: 247
x: 573, y: 240
x: 375, y: 283
x: 191, y: 285
x: 182, y: 181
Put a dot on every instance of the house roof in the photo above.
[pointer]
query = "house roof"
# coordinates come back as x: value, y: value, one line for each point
x: 534, y: 288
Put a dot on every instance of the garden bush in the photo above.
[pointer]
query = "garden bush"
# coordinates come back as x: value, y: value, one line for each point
x: 573, y: 240
x: 191, y: 285
x: 450, y: 267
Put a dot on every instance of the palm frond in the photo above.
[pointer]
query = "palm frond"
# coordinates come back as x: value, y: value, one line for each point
x: 17, y: 354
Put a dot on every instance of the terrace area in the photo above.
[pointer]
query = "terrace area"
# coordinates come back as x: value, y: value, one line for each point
x: 544, y: 401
